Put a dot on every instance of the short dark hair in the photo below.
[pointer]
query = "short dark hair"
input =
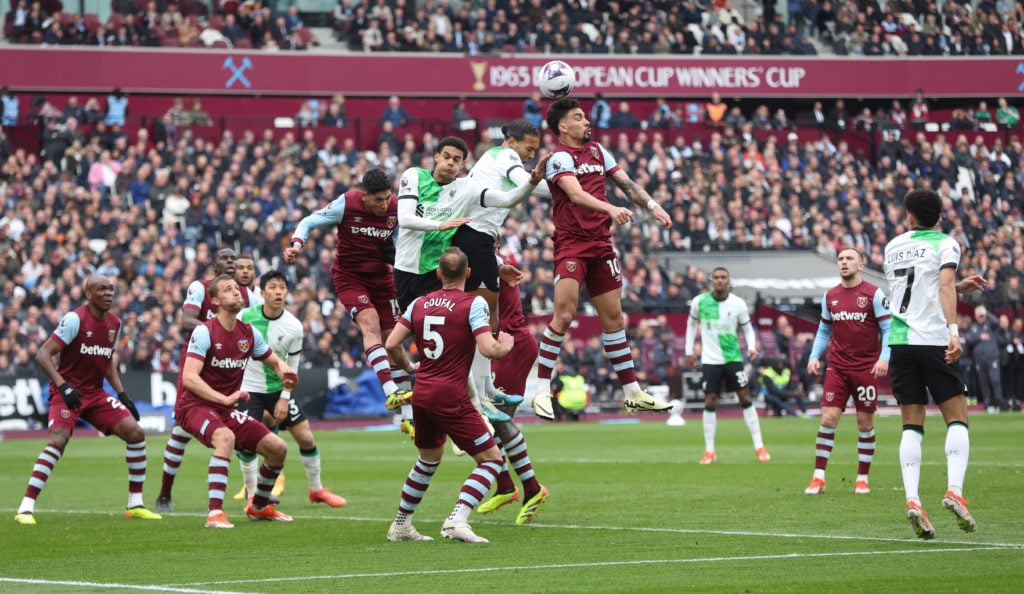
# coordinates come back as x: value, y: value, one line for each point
x: 722, y: 268
x: 558, y: 110
x: 925, y: 205
x: 519, y: 129
x: 454, y: 142
x: 453, y: 264
x: 273, y: 275
x: 375, y: 181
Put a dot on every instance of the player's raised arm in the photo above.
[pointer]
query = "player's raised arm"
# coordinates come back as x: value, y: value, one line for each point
x: 640, y: 197
x: 516, y: 195
x: 327, y: 216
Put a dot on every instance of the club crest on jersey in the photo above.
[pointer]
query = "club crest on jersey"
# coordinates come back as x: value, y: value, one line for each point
x: 570, y: 266
x: 594, y: 151
x: 363, y: 299
x: 111, y: 334
x: 862, y: 302
x: 243, y: 345
x: 830, y: 396
x: 392, y: 221
x: 65, y: 413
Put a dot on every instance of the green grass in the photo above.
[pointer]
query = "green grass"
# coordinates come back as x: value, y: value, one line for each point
x: 630, y: 510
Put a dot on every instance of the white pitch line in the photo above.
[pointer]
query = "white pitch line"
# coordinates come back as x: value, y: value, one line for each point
x: 585, y: 565
x: 384, y: 521
x: 112, y: 586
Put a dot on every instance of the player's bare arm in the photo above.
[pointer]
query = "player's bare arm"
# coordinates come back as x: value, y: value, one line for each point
x: 113, y: 376
x: 189, y: 319
x: 44, y: 357
x: 399, y: 334
x: 814, y: 367
x: 580, y: 197
x: 971, y: 284
x: 947, y: 298
x: 494, y: 348
x: 880, y: 369
x: 510, y: 275
x: 640, y: 197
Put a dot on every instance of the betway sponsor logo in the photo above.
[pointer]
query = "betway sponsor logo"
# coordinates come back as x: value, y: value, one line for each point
x: 227, y: 363
x: 96, y: 350
x: 371, y: 231
x: 850, y: 316
x: 590, y: 168
x: 659, y: 76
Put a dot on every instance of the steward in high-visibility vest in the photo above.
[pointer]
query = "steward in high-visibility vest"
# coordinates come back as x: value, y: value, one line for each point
x: 573, y: 396
x: 777, y: 387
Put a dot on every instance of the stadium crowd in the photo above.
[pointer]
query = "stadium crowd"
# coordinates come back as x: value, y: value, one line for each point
x: 151, y: 212
x: 784, y: 27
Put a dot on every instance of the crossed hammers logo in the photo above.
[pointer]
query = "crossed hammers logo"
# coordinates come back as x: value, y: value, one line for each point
x: 238, y: 72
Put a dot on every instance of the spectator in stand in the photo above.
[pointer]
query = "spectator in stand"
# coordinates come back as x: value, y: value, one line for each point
x: 117, y: 108
x: 982, y: 115
x: 985, y: 343
x: 1007, y: 116
x: 335, y: 116
x: 232, y: 30
x: 460, y: 115
x: 624, y: 118
x: 600, y: 113
x: 395, y: 113
x: 532, y: 110
x: 9, y: 103
x: 735, y: 119
x: 198, y: 115
x: 838, y: 117
x: 714, y: 111
x: 292, y: 20
x: 919, y: 111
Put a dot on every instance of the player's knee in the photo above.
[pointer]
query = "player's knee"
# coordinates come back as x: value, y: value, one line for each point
x: 135, y: 434
x: 274, y: 449
x: 58, y: 439
x: 223, y: 440
x: 305, y: 441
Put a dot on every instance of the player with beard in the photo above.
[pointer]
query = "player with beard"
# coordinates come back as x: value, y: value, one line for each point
x: 854, y: 314
x: 584, y: 254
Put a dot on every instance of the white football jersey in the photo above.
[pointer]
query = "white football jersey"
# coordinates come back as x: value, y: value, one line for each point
x: 719, y: 321
x: 502, y: 169
x: 283, y: 335
x: 912, y: 264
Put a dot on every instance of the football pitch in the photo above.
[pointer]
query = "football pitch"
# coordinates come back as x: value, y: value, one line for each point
x: 630, y: 510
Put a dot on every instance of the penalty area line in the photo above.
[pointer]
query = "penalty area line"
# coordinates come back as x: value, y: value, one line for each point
x: 112, y: 586
x: 557, y: 566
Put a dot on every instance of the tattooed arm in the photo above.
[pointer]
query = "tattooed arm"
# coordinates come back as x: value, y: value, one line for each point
x: 640, y: 197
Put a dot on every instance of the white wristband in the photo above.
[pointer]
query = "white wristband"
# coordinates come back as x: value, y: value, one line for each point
x: 953, y: 330
x: 286, y: 395
x: 651, y: 204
